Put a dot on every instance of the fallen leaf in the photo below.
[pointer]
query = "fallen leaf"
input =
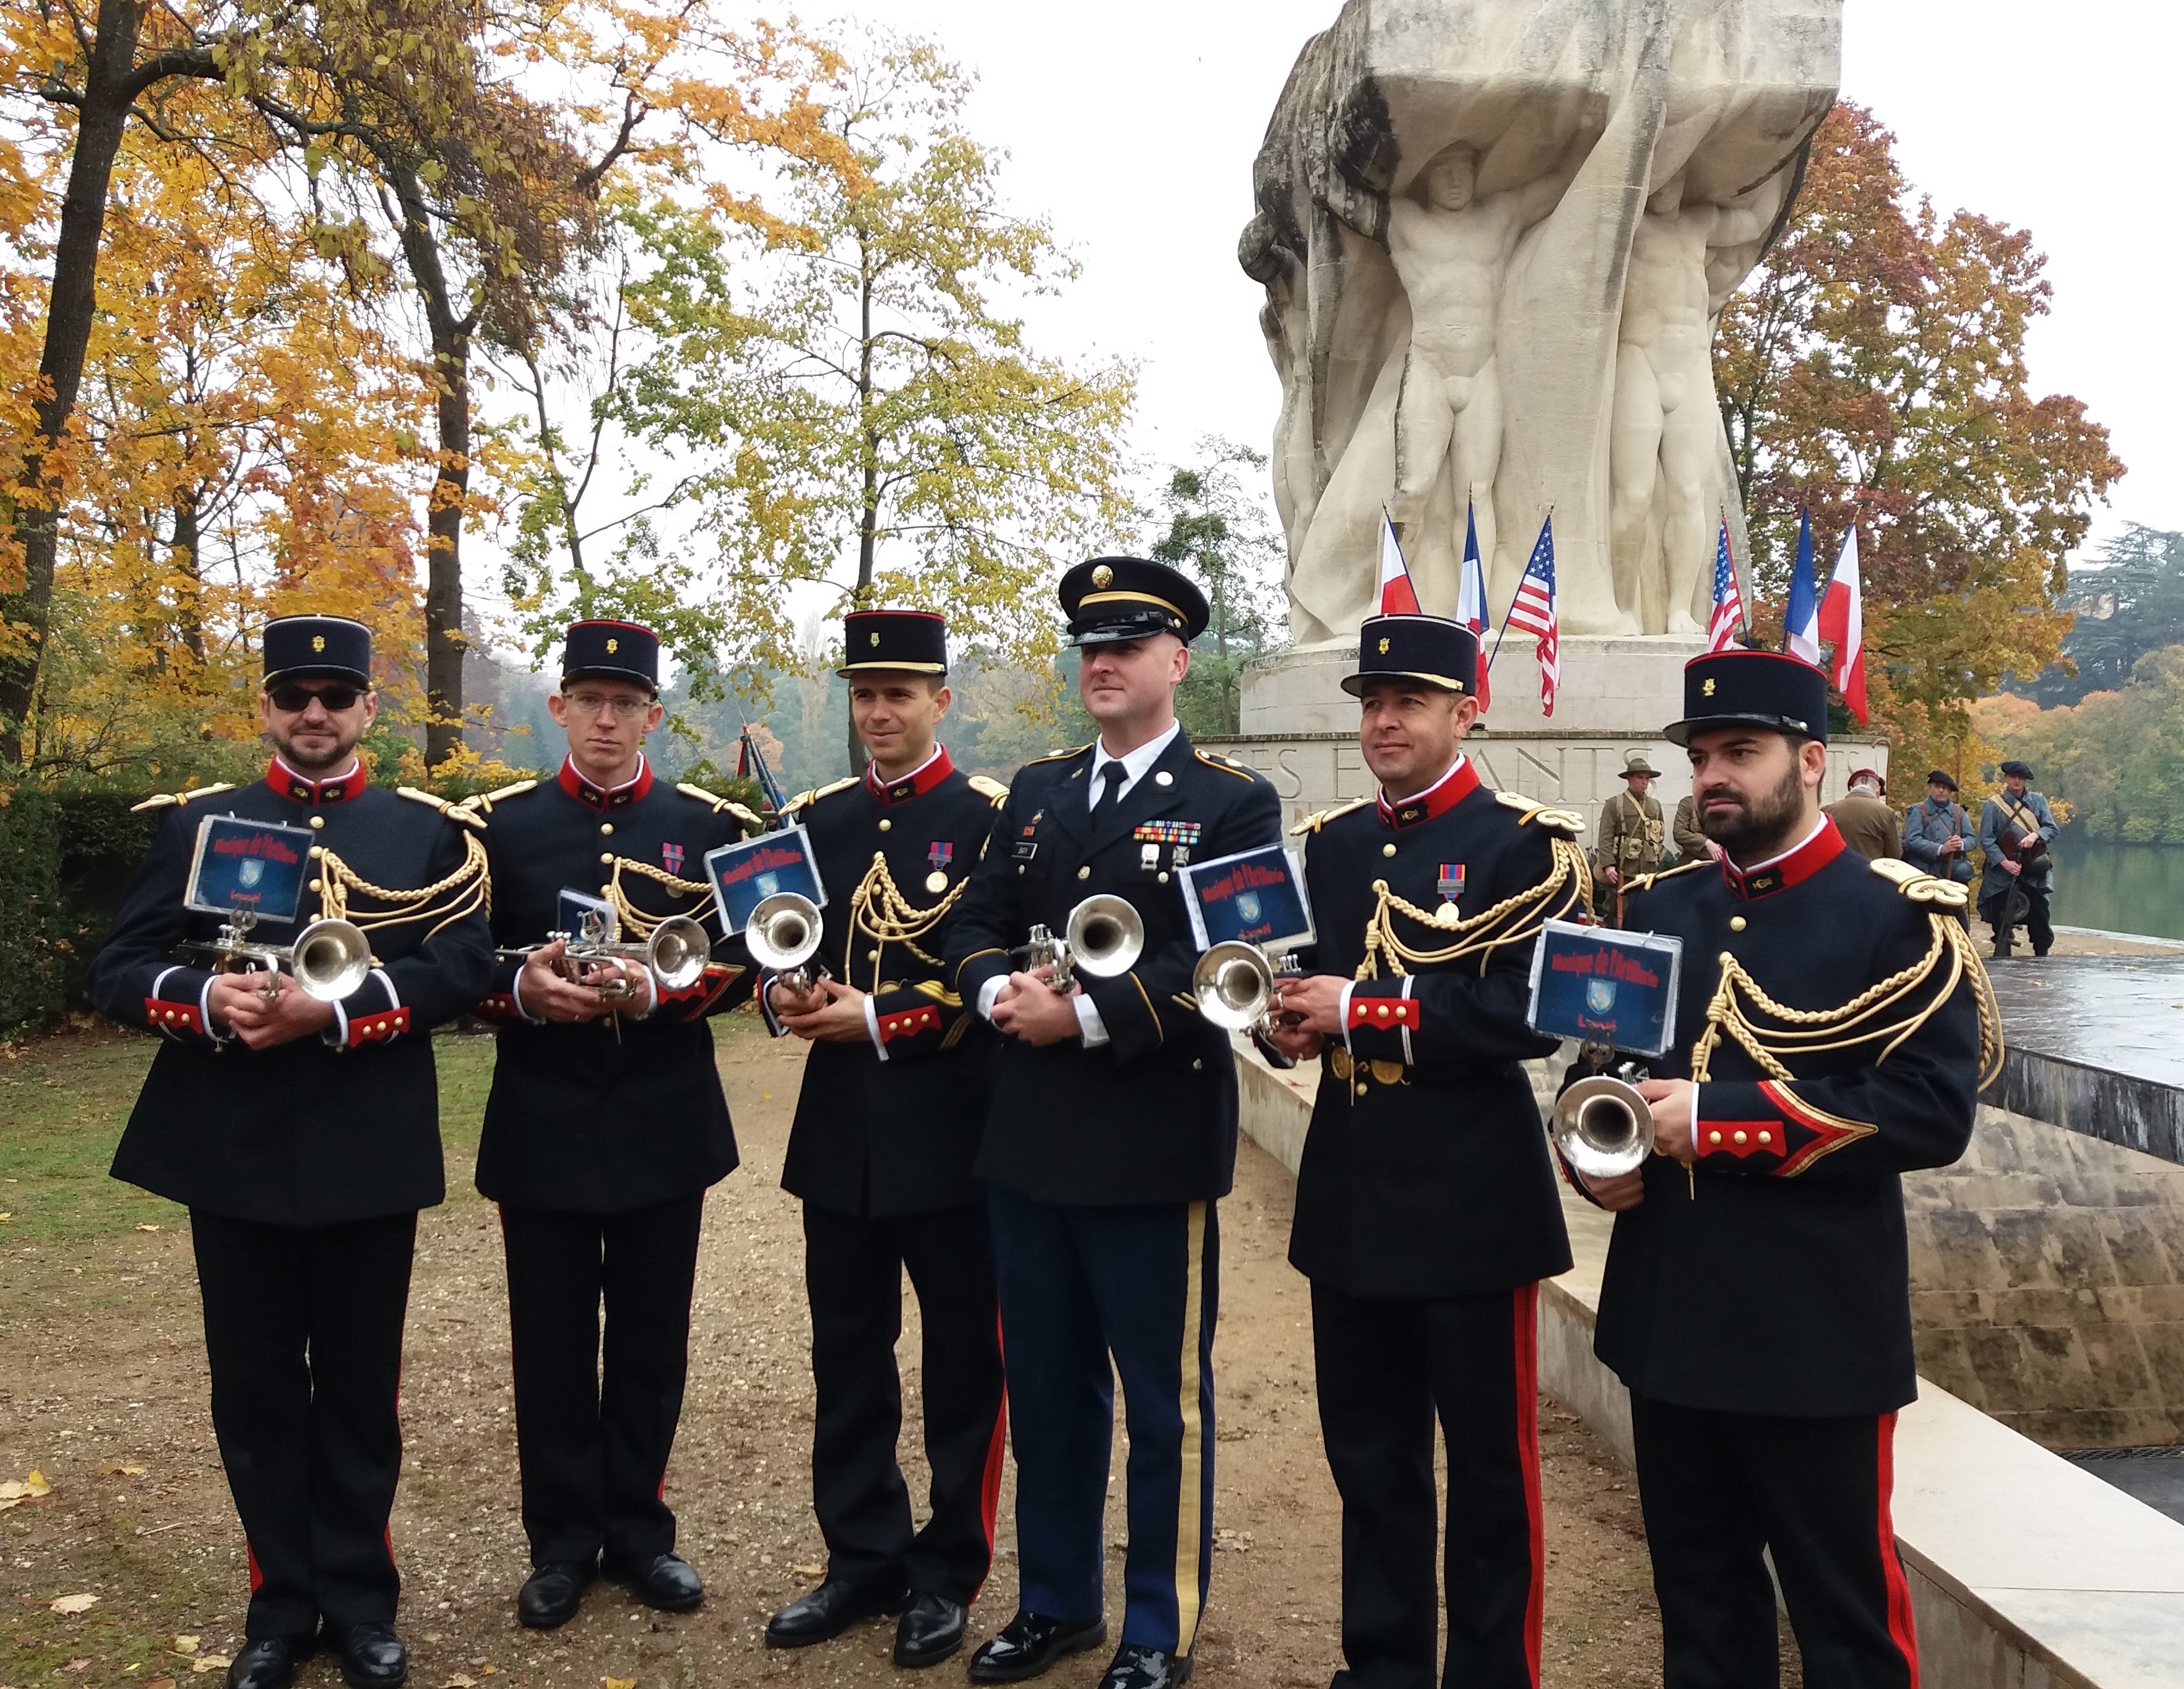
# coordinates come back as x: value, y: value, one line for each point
x: 489, y: 1669
x: 161, y: 1683
x: 186, y: 1644
x: 142, y: 1226
x: 35, y: 1485
x: 461, y: 1680
x: 70, y: 1605
x: 7, y: 1216
x: 83, y: 1664
x: 211, y: 1662
x: 117, y: 1471
x: 811, y: 1571
x: 620, y: 1683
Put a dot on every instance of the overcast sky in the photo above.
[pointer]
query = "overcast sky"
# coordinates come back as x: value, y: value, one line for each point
x: 1132, y: 125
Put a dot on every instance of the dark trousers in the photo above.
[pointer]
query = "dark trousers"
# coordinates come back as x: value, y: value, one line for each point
x: 1716, y: 1489
x: 1080, y: 1285
x: 853, y: 1268
x: 594, y: 1423
x: 303, y: 1333
x: 1386, y: 1370
x: 1994, y: 911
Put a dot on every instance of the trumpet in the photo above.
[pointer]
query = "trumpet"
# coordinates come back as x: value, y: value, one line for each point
x: 1234, y: 985
x: 330, y: 959
x: 1603, y: 1127
x: 1104, y: 937
x: 783, y: 934
x: 675, y: 955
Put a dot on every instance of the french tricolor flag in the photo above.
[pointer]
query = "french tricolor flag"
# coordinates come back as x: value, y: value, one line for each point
x: 1398, y: 597
x: 1841, y: 620
x: 1471, y: 599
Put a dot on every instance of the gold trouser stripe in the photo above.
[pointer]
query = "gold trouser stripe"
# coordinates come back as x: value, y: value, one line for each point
x: 1190, y: 1503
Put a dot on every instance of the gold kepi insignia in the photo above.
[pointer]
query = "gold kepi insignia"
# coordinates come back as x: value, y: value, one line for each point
x: 876, y: 636
x: 318, y: 641
x: 1102, y: 575
x: 1707, y: 689
x: 1384, y: 648
x: 613, y: 645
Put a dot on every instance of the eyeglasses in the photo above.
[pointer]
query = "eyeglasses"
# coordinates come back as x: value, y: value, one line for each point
x: 293, y: 699
x: 591, y: 703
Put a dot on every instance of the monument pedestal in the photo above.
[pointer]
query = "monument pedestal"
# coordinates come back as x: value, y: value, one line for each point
x: 1299, y: 728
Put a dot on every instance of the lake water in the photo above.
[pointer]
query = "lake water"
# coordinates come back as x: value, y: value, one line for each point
x: 2119, y: 887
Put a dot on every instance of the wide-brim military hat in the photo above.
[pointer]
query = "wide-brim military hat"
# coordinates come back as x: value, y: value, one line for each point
x: 1429, y: 648
x: 1636, y: 762
x: 1767, y: 689
x: 916, y: 640
x: 1111, y: 598
x: 611, y: 651
x: 305, y: 648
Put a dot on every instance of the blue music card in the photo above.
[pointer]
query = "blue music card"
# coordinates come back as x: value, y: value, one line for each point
x: 570, y: 910
x: 255, y: 865
x: 1602, y: 986
x: 1257, y: 897
x: 746, y: 874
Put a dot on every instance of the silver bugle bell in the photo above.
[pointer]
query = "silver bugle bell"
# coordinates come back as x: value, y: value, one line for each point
x: 1234, y: 983
x: 678, y: 952
x: 1106, y: 936
x: 1603, y: 1127
x: 783, y: 935
x: 330, y: 959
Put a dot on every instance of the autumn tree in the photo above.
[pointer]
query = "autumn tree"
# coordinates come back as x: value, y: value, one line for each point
x: 1874, y: 370
x: 1223, y: 536
x: 844, y: 376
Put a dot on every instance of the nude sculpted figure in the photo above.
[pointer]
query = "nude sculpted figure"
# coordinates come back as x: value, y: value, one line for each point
x: 1451, y: 252
x: 1666, y: 429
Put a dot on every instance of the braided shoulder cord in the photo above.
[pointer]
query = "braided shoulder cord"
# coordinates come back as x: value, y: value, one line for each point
x: 878, y: 908
x: 470, y: 888
x: 635, y: 921
x: 1513, y: 920
x: 1810, y: 1031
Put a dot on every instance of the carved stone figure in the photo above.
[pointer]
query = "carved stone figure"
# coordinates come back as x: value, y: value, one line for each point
x: 1494, y: 237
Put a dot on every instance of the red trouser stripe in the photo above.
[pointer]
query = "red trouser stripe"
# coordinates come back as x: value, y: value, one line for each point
x: 1526, y: 1300
x: 989, y: 1484
x: 1901, y: 1626
x: 257, y: 1574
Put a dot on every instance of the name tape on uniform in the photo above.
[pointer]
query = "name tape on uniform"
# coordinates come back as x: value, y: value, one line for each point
x: 1599, y: 985
x: 744, y: 874
x: 1255, y: 896
x: 255, y: 865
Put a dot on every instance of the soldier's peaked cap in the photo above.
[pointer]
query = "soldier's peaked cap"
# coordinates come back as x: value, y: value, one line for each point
x: 916, y: 640
x: 1752, y: 689
x: 611, y: 651
x: 1429, y: 648
x: 1110, y: 599
x: 334, y: 648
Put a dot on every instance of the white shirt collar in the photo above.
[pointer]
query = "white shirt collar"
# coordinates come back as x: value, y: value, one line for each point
x: 1784, y: 856
x: 889, y: 780
x: 1134, y: 763
x: 1454, y: 767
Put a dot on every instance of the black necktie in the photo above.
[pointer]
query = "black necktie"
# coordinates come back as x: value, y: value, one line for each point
x: 1111, y: 775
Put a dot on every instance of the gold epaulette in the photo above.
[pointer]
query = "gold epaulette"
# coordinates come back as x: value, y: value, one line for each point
x: 1645, y: 882
x: 1312, y: 824
x: 1223, y: 763
x: 1556, y: 820
x: 160, y: 800
x: 448, y: 807
x: 1919, y: 886
x: 991, y: 790
x: 720, y: 804
x: 482, y: 802
x: 802, y: 798
x: 1056, y: 756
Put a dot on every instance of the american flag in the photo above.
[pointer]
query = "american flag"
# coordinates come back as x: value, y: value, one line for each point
x: 1728, y: 603
x: 1534, y: 612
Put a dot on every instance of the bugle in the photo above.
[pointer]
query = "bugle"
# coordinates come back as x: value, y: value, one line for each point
x: 1603, y: 1127
x: 330, y: 959
x: 783, y: 935
x: 675, y: 955
x: 1235, y: 984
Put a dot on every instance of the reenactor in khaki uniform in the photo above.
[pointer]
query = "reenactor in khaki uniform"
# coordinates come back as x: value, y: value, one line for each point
x: 1631, y: 833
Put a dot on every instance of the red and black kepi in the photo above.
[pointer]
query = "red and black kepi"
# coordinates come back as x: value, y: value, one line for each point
x: 912, y: 640
x: 317, y: 647
x: 611, y: 651
x: 1429, y: 648
x: 1752, y: 689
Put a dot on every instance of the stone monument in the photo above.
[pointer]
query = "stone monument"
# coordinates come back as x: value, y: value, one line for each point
x: 1496, y: 237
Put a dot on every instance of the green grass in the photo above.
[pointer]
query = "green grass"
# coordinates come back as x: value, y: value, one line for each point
x: 64, y: 1101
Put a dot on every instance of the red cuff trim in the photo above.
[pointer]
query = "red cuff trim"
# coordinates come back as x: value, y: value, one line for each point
x: 1741, y: 1139
x: 702, y: 991
x: 1391, y: 1013
x: 172, y: 1017
x: 1830, y: 1132
x: 909, y: 1024
x: 377, y: 1029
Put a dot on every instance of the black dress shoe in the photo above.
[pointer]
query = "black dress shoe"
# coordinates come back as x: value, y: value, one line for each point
x: 1029, y: 1644
x: 372, y: 1657
x: 829, y: 1610
x: 931, y: 1631
x: 553, y: 1592
x: 1136, y: 1666
x: 270, y: 1662
x: 665, y: 1581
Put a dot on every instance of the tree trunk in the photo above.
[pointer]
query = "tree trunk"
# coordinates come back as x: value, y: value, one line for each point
x: 109, y: 87
x: 444, y: 640
x: 189, y: 609
x: 869, y: 500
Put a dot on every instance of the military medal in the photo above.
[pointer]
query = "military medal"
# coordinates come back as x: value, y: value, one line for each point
x: 939, y: 853
x: 1451, y: 881
x: 671, y: 856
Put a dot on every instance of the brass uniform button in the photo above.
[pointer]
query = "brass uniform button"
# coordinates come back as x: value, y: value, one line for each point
x: 872, y: 955
x: 606, y: 891
x: 1736, y: 923
x: 1360, y: 1087
x: 606, y: 827
x: 1085, y: 873
x: 1163, y: 879
x: 314, y: 885
x: 1740, y: 1137
x: 606, y: 856
x: 885, y: 824
x: 1714, y: 1138
x: 317, y: 851
x: 318, y: 820
x: 1387, y: 850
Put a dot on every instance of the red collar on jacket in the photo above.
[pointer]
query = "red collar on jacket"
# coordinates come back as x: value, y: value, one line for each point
x: 1801, y: 864
x: 318, y: 793
x: 606, y: 798
x: 917, y: 783
x: 1442, y: 796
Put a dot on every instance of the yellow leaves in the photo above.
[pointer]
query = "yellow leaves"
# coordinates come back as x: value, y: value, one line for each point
x: 186, y: 1644
x: 210, y: 1662
x: 71, y: 1606
x: 119, y: 1470
x: 618, y: 1683
x: 16, y: 1491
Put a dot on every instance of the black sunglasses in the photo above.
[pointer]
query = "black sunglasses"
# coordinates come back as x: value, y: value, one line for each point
x: 293, y: 699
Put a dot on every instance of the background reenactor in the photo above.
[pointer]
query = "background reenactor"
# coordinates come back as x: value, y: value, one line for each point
x: 887, y: 1127
x: 604, y: 1127
x: 1833, y: 1028
x: 1632, y: 834
x: 2016, y: 828
x: 1938, y: 834
x: 1427, y: 1210
x: 303, y: 1136
x: 1112, y: 1130
x: 1862, y: 817
x: 1690, y: 839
